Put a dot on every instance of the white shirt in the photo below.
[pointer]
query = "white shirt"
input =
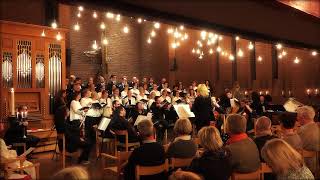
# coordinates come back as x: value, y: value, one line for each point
x: 75, y: 112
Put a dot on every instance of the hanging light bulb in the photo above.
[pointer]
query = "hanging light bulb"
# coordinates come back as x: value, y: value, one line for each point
x: 193, y: 51
x: 314, y: 53
x: 260, y: 58
x: 156, y: 25
x: 284, y: 53
x: 149, y: 40
x: 76, y: 27
x: 126, y: 29
x: 181, y: 27
x: 105, y: 41
x: 211, y: 51
x: 80, y: 8
x: 95, y: 45
x: 250, y: 46
x: 240, y: 53
x: 118, y: 18
x: 79, y: 15
x: 218, y: 49
x: 139, y: 20
x: 174, y: 45
x: 54, y: 24
x: 279, y: 46
x: 102, y: 26
x: 95, y: 15
x: 231, y: 57
x: 170, y: 30
x: 237, y: 38
x: 153, y: 33
x: 43, y: 34
x: 58, y: 36
x: 110, y: 15
x: 296, y: 60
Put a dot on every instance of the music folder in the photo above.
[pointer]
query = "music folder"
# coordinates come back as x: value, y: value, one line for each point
x: 183, y: 110
x: 104, y: 123
x: 141, y: 118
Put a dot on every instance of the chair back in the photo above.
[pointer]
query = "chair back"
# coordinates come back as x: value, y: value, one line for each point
x: 180, y: 162
x: 245, y: 176
x: 151, y: 170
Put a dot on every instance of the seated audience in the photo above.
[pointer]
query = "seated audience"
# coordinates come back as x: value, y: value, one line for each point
x: 244, y: 152
x: 262, y: 132
x: 288, y: 121
x: 215, y: 161
x: 8, y: 156
x: 184, y: 175
x: 284, y: 161
x: 182, y: 146
x: 72, y: 173
x: 150, y: 153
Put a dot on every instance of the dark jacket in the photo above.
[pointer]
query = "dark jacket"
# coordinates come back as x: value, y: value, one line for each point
x: 202, y: 109
x: 148, y: 154
x: 182, y: 149
x: 213, y: 165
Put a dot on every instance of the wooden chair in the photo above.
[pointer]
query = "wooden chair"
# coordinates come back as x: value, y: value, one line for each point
x: 100, y: 140
x: 121, y: 159
x: 264, y: 169
x: 151, y: 170
x: 8, y: 171
x: 246, y: 176
x: 126, y: 144
x: 180, y: 162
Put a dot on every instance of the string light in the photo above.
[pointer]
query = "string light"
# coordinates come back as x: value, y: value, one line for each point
x: 149, y: 40
x: 105, y: 41
x: 139, y: 20
x: 231, y: 57
x: 156, y: 25
x: 296, y: 60
x: 58, y: 36
x: 79, y: 15
x: 102, y: 26
x: 118, y: 18
x: 237, y: 38
x: 260, y: 58
x: 240, y: 53
x: 153, y: 33
x: 95, y: 45
x: 314, y: 53
x: 80, y: 8
x: 76, y: 27
x: 250, y: 46
x: 43, y: 34
x: 95, y: 15
x: 279, y: 46
x: 126, y: 29
x: 54, y: 24
x: 219, y: 49
x: 110, y: 15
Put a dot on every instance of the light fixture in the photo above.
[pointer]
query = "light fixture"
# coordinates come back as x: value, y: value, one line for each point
x: 58, y: 36
x: 149, y: 40
x: 219, y: 49
x: 193, y: 51
x: 156, y: 25
x: 240, y: 53
x: 279, y: 46
x: 174, y: 45
x: 95, y: 15
x: 110, y: 15
x: 153, y: 33
x: 79, y: 14
x: 211, y: 51
x: 170, y: 30
x: 284, y: 53
x: 250, y: 45
x: 102, y: 26
x: 118, y: 18
x: 80, y: 8
x: 76, y: 27
x: 95, y: 45
x: 139, y: 20
x: 314, y: 53
x: 231, y: 57
x: 105, y: 41
x: 237, y: 38
x: 126, y: 29
x: 43, y: 34
x: 54, y: 24
x: 259, y: 58
x: 296, y: 60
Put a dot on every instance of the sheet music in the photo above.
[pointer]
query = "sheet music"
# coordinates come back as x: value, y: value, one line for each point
x: 104, y: 123
x: 183, y: 110
x: 141, y: 118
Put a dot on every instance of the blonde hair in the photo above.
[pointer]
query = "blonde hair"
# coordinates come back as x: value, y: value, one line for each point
x: 72, y: 173
x: 236, y: 124
x: 306, y: 112
x: 210, y: 138
x: 182, y: 127
x: 281, y: 157
x: 203, y: 90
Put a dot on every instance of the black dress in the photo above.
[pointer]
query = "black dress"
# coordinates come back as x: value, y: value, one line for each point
x: 202, y: 109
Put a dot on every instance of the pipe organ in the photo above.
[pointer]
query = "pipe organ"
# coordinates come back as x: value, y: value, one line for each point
x: 33, y: 64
